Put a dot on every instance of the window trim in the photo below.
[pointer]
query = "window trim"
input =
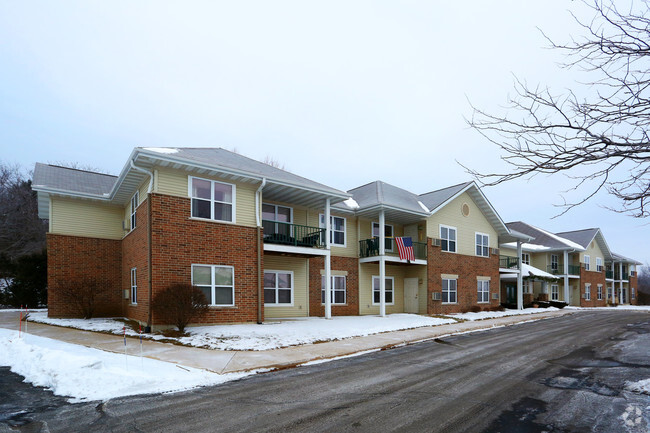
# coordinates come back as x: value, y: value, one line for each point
x: 587, y: 291
x: 135, y: 202
x: 555, y: 265
x: 134, y: 286
x: 372, y: 282
x: 276, y: 288
x: 391, y: 238
x: 525, y: 258
x: 321, y: 224
x: 440, y: 227
x: 599, y: 264
x: 483, y: 247
x: 233, y: 204
x: 599, y: 292
x: 587, y: 262
x: 448, y: 291
x: 345, y: 289
x: 212, y: 285
x: 555, y: 292
x: 480, y: 288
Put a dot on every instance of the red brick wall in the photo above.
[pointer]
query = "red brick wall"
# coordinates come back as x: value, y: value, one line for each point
x: 349, y: 264
x: 633, y: 283
x: 594, y: 278
x: 135, y: 254
x: 179, y: 241
x: 75, y: 258
x: 467, y: 268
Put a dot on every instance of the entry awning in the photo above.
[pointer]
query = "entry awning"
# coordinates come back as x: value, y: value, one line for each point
x: 530, y: 272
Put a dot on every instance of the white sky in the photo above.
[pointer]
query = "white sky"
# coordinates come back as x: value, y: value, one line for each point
x: 341, y: 92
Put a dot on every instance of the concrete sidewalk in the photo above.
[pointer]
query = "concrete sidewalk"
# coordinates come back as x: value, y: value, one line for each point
x: 222, y: 361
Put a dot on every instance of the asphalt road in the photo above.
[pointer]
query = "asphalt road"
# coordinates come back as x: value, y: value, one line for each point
x: 560, y: 375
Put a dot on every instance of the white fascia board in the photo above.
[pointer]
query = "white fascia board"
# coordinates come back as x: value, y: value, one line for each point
x: 64, y: 192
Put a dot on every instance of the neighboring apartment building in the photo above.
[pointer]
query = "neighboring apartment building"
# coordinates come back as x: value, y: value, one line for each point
x: 256, y: 240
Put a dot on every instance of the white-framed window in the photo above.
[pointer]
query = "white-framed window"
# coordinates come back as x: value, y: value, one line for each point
x: 609, y: 293
x: 554, y: 262
x: 212, y: 200
x: 449, y: 291
x: 338, y: 290
x: 482, y: 245
x: 599, y: 264
x: 278, y: 288
x: 587, y: 260
x: 483, y: 287
x: 376, y: 293
x: 217, y: 283
x: 632, y: 293
x: 448, y: 238
x: 276, y: 219
x: 388, y: 235
x: 587, y: 291
x: 599, y: 292
x: 555, y: 292
x: 525, y: 258
x: 337, y: 228
x: 135, y: 201
x: 527, y: 287
x: 134, y: 286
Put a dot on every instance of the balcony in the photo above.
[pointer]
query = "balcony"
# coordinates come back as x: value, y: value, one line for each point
x: 370, y: 248
x: 293, y: 234
x: 609, y: 275
x: 559, y: 269
x: 508, y: 262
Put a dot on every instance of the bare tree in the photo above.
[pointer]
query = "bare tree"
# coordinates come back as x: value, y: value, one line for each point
x: 600, y: 141
x: 269, y: 160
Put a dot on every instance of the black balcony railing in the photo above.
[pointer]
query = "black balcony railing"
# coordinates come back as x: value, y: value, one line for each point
x: 370, y: 248
x: 293, y: 234
x: 508, y: 262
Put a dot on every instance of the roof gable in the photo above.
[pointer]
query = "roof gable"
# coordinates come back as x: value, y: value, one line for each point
x: 54, y: 177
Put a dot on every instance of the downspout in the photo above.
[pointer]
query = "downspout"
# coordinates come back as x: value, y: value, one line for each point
x: 258, y: 218
x: 149, y: 218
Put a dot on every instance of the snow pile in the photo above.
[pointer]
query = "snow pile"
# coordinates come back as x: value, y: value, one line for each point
x: 494, y: 314
x: 112, y: 326
x: 642, y: 386
x: 162, y: 149
x: 351, y: 203
x: 90, y: 374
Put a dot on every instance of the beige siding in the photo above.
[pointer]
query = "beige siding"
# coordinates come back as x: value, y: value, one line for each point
x: 351, y: 248
x: 86, y: 218
x: 142, y: 191
x: 366, y: 271
x: 176, y: 182
x: 300, y: 269
x: 540, y: 260
x: 466, y: 227
x: 593, y: 251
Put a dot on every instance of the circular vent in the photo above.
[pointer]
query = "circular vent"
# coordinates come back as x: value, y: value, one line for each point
x: 464, y: 209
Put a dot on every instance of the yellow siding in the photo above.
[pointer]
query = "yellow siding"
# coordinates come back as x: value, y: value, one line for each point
x: 142, y: 191
x: 86, y: 218
x: 300, y: 269
x: 593, y: 251
x: 466, y: 227
x: 366, y: 272
x: 176, y: 182
x: 351, y: 238
x: 539, y: 260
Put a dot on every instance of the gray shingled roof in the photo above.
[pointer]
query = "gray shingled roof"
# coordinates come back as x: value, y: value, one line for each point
x: 620, y: 258
x: 381, y: 193
x: 434, y: 199
x: 542, y: 238
x: 582, y: 237
x: 72, y: 180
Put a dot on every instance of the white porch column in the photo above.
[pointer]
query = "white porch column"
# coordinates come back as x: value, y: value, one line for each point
x: 620, y: 283
x: 382, y: 265
x: 613, y: 298
x: 328, y: 263
x: 520, y: 281
x: 567, y: 293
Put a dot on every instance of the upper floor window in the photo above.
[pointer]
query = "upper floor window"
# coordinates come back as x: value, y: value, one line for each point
x: 599, y: 264
x: 337, y: 229
x: 338, y: 289
x: 212, y: 200
x: 554, y: 262
x: 134, y: 205
x: 448, y: 238
x: 388, y: 235
x: 482, y: 245
x: 276, y: 220
x: 587, y: 260
x: 525, y: 258
x: 216, y: 282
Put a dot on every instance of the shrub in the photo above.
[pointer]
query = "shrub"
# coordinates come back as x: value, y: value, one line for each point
x: 475, y: 309
x: 80, y: 295
x: 464, y: 310
x: 498, y: 308
x: 179, y: 304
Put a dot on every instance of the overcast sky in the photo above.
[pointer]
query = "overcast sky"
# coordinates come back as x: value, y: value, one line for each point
x: 344, y: 93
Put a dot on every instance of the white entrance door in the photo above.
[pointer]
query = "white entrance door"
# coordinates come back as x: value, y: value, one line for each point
x: 411, y: 295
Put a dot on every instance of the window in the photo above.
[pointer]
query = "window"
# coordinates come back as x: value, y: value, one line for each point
x: 588, y: 292
x: 278, y: 288
x: 216, y: 282
x: 632, y: 294
x: 587, y: 259
x: 338, y: 290
x: 555, y: 292
x: 599, y: 292
x: 134, y: 205
x: 337, y: 227
x: 527, y: 287
x: 483, y: 291
x: 554, y: 262
x: 212, y: 200
x: 525, y: 258
x: 388, y: 235
x: 449, y: 291
x: 448, y: 239
x: 276, y: 219
x: 134, y: 286
x: 482, y: 245
x: 376, y: 293
x: 599, y: 264
x: 609, y: 294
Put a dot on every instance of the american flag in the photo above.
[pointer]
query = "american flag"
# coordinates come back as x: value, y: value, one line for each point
x: 405, y: 247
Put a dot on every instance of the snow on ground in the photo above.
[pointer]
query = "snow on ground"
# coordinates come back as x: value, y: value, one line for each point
x: 642, y: 386
x: 90, y: 374
x: 494, y: 314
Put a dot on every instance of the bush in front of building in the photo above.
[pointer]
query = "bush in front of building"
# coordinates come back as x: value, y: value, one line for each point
x: 180, y: 304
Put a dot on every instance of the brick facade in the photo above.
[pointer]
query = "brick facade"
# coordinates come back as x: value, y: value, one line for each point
x: 73, y: 259
x: 633, y: 284
x: 468, y: 268
x: 349, y: 264
x: 135, y: 254
x: 594, y: 278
